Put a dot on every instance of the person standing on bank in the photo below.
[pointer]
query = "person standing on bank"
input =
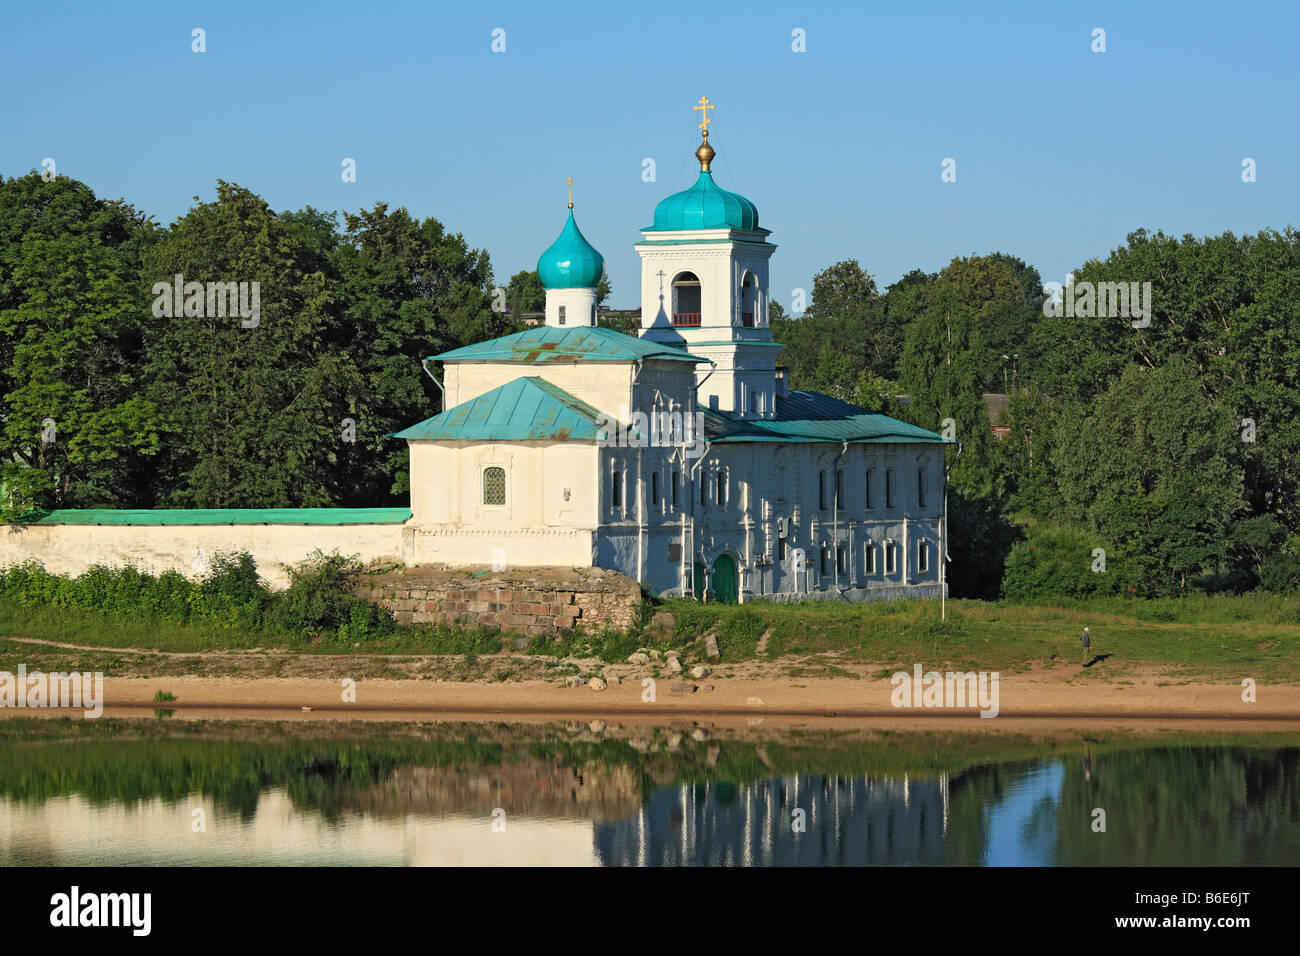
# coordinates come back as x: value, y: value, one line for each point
x: 1087, y: 644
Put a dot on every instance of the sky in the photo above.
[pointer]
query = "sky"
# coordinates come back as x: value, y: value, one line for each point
x: 1059, y: 151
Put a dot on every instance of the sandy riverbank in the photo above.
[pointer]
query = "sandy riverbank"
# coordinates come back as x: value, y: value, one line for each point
x: 1042, y: 697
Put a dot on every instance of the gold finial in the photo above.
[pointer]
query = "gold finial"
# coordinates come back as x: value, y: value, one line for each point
x: 570, y: 182
x: 705, y: 153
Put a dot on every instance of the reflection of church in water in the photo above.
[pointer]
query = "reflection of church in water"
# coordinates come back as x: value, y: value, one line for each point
x: 849, y: 821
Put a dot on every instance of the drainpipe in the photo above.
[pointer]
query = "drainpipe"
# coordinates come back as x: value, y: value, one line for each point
x: 424, y: 364
x: 943, y: 543
x: 835, y: 514
x: 640, y: 516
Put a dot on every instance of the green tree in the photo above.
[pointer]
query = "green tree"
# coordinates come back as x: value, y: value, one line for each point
x: 253, y: 404
x: 1154, y: 466
x: 76, y: 430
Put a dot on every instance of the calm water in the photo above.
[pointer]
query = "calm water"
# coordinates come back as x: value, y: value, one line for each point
x: 164, y: 792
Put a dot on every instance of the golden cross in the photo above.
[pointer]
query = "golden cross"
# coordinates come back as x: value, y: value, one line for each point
x: 704, y: 108
x: 570, y: 182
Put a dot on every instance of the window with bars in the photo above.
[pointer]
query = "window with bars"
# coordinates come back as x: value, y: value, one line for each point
x: 494, y: 486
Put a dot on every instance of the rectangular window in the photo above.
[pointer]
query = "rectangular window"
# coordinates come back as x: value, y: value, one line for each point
x: 920, y: 487
x: 753, y: 402
x: 870, y: 475
x: 561, y: 315
x: 889, y: 488
x: 780, y: 549
x: 722, y: 487
x: 654, y: 491
x: 826, y: 560
x: 494, y: 486
x: 839, y: 490
x: 704, y: 490
x: 821, y: 491
x: 922, y: 557
x: 841, y: 559
x: 869, y: 559
x: 676, y: 481
x: 891, y: 558
x: 616, y: 490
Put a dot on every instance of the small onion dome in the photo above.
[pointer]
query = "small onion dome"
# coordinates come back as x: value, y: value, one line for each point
x: 571, y: 262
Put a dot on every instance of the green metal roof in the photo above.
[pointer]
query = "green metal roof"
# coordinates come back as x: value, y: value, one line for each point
x: 706, y: 205
x: 813, y: 417
x: 571, y: 262
x: 582, y: 343
x: 178, y: 516
x: 527, y: 409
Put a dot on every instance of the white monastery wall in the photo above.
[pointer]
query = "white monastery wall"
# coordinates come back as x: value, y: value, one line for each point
x: 70, y: 549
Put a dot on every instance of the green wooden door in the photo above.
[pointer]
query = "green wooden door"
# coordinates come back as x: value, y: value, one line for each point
x: 726, y: 583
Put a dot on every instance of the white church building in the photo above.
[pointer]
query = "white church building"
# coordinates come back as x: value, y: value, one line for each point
x: 679, y: 457
x: 574, y: 445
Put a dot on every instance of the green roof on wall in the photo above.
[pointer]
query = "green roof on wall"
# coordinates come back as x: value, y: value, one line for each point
x: 191, y: 516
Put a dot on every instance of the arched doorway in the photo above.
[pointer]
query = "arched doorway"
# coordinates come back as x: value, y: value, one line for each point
x: 726, y: 583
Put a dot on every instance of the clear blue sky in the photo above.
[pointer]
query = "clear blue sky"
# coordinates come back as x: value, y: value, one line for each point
x: 1060, y: 151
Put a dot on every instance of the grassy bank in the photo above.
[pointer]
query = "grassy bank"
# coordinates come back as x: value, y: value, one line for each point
x: 1253, y: 635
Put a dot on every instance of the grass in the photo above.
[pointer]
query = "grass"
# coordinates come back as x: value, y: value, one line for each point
x: 1253, y: 635
x: 1246, y: 635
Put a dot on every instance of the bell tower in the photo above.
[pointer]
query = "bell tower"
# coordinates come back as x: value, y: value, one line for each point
x: 704, y: 287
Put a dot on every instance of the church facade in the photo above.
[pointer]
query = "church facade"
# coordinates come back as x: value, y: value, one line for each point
x: 679, y: 457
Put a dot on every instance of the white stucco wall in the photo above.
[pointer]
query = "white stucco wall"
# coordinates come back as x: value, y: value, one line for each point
x: 71, y: 549
x: 549, y: 515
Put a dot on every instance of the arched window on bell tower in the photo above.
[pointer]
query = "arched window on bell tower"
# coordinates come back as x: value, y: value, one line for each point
x: 749, y: 300
x: 686, y: 300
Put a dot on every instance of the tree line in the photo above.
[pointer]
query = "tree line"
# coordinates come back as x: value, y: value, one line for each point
x: 109, y: 405
x: 1151, y: 456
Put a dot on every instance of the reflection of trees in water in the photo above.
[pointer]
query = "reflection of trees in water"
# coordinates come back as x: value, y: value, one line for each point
x: 1169, y: 806
x: 1221, y: 806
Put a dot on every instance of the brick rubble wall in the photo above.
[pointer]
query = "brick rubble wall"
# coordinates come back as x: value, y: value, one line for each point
x: 526, y: 601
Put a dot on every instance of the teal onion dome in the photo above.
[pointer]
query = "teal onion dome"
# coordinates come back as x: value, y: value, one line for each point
x: 571, y: 262
x: 706, y: 205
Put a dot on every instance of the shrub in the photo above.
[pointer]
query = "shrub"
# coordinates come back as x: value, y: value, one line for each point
x: 1056, y: 560
x: 319, y: 600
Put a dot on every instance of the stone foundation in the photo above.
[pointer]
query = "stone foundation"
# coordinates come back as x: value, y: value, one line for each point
x: 526, y: 601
